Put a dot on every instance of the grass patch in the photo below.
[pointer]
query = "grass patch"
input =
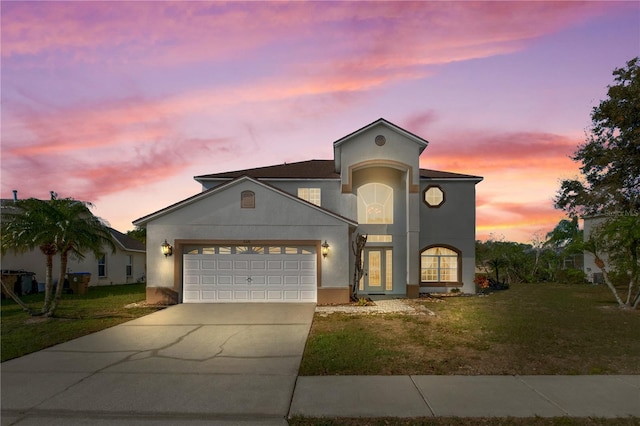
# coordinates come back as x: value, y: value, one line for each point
x: 529, y: 329
x: 458, y: 421
x: 77, y: 315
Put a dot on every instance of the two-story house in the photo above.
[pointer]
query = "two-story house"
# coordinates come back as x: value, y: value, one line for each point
x: 284, y: 233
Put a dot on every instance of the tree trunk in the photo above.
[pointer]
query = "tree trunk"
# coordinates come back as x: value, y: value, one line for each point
x: 600, y: 264
x: 15, y: 298
x: 48, y: 284
x: 357, y: 246
x: 633, y: 279
x: 64, y: 258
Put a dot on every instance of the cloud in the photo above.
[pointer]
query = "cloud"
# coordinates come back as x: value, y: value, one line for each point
x: 483, y: 150
x: 515, y: 221
x: 92, y: 178
x: 418, y: 123
x: 354, y: 34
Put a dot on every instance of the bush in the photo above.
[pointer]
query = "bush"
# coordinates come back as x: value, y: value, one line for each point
x: 485, y: 285
x: 571, y: 276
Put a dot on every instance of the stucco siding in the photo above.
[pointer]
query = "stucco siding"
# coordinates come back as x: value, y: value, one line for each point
x: 218, y: 217
x: 452, y: 224
x: 34, y: 261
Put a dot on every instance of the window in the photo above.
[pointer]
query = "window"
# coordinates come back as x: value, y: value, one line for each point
x: 379, y: 238
x: 248, y: 200
x: 375, y: 204
x: 311, y: 195
x: 434, y: 196
x: 129, y: 266
x: 439, y: 264
x: 102, y: 266
x: 249, y: 250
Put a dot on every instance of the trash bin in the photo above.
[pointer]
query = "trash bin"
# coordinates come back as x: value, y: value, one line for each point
x: 9, y: 279
x: 79, y: 282
x: 18, y: 281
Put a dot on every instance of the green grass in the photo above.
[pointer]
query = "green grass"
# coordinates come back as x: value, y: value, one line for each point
x: 459, y: 421
x: 529, y: 329
x: 77, y: 315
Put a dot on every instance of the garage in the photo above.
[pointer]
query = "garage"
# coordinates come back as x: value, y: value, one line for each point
x: 226, y: 274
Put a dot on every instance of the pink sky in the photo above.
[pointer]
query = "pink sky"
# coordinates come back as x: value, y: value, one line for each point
x: 121, y: 104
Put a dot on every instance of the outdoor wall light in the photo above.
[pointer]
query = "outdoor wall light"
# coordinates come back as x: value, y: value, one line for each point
x: 325, y: 248
x: 167, y: 250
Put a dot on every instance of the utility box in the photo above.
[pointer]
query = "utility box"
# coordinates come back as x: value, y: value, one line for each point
x: 79, y: 282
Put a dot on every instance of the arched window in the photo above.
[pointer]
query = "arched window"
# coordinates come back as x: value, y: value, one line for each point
x: 247, y: 200
x: 375, y: 204
x: 439, y: 264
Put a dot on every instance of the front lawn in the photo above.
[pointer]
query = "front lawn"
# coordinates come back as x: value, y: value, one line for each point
x: 77, y: 315
x: 528, y: 329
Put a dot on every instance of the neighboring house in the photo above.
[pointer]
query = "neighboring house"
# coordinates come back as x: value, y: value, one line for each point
x: 126, y: 265
x: 258, y: 235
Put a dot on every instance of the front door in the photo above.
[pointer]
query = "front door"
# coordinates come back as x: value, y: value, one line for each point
x: 378, y: 272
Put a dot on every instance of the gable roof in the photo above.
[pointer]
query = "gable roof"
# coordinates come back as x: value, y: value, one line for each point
x: 415, y: 138
x: 145, y: 219
x: 311, y: 169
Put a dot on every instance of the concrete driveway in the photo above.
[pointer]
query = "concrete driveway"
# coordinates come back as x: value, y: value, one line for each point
x: 187, y: 364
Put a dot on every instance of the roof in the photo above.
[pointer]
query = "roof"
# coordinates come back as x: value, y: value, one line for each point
x: 417, y: 139
x: 311, y: 169
x: 437, y: 174
x: 126, y: 242
x: 145, y: 219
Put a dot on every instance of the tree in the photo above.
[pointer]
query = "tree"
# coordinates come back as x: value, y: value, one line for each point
x: 566, y: 238
x: 618, y: 239
x: 610, y: 183
x: 357, y: 246
x: 79, y: 231
x: 139, y: 234
x: 27, y: 225
x: 492, y: 255
x: 57, y: 226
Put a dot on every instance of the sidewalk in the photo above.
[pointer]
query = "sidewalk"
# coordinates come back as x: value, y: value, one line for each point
x: 237, y: 364
x: 466, y: 396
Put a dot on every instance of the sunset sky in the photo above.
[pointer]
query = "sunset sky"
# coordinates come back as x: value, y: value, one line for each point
x: 122, y: 103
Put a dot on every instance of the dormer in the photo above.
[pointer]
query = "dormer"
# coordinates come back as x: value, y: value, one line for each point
x: 379, y: 144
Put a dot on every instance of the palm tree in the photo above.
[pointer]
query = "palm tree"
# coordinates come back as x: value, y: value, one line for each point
x: 566, y: 238
x: 27, y: 225
x: 79, y: 231
x: 57, y: 226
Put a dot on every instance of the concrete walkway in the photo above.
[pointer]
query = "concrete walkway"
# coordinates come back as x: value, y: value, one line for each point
x: 235, y: 364
x: 187, y: 364
x: 467, y: 396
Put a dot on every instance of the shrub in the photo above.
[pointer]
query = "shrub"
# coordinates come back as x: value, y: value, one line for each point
x: 571, y: 276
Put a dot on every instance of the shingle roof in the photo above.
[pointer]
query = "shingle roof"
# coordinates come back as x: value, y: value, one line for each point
x: 311, y: 169
x: 437, y: 174
x: 128, y: 243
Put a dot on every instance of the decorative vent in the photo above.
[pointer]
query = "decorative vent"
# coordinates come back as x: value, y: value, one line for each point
x: 380, y: 140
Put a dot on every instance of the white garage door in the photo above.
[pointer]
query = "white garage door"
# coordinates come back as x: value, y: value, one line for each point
x: 209, y: 278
